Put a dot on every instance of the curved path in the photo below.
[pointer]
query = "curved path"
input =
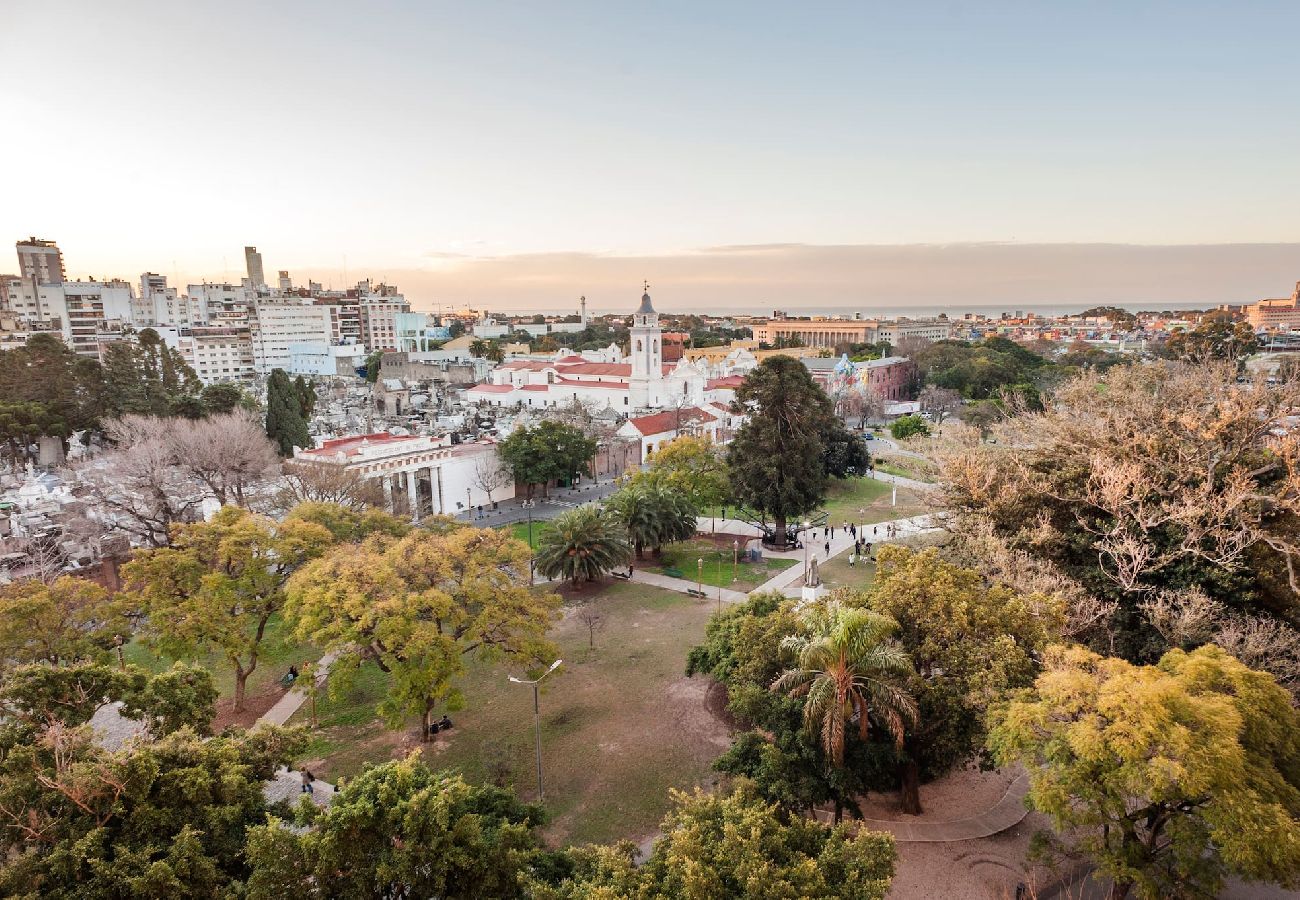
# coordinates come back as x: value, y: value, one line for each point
x: 999, y: 817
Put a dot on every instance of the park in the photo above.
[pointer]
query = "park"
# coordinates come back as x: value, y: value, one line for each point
x: 872, y: 669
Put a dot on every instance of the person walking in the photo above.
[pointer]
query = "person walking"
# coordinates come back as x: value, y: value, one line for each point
x: 307, y: 779
x: 828, y: 549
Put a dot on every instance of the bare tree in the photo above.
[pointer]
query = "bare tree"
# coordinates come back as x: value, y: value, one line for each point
x: 593, y: 617
x: 939, y: 402
x: 140, y: 485
x: 490, y: 476
x: 227, y: 453
x: 317, y: 482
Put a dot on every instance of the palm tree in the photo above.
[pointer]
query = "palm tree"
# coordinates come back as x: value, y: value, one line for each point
x: 653, y: 515
x: 581, y: 543
x: 846, y: 666
x: 477, y: 348
x: 494, y: 352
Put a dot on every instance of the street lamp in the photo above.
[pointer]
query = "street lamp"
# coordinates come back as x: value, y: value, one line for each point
x: 532, y: 559
x: 699, y: 575
x: 735, y: 558
x: 469, y: 509
x: 537, y: 718
x: 806, y: 525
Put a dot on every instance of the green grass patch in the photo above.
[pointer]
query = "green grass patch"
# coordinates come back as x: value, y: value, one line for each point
x: 277, y: 652
x: 718, y: 569
x: 519, y: 531
x: 621, y: 725
x: 866, y: 501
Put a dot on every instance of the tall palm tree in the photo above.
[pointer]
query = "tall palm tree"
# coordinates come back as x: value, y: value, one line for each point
x: 846, y: 666
x: 581, y: 544
x: 653, y: 514
x: 478, y: 348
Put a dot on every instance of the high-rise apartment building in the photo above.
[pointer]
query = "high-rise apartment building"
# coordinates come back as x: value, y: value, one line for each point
x: 276, y: 326
x: 253, y: 262
x: 286, y: 283
x: 40, y: 261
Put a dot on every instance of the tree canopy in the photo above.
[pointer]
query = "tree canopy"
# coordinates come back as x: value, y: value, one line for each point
x: 417, y: 606
x: 219, y: 583
x: 286, y: 413
x: 652, y: 514
x: 582, y: 544
x: 66, y: 620
x: 546, y: 452
x: 1217, y: 336
x: 1169, y: 776
x: 776, y: 459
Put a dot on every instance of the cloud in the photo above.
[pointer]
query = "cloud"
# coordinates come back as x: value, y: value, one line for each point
x: 872, y: 278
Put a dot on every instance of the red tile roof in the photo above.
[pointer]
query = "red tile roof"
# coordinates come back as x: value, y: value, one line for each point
x: 659, y: 423
x: 587, y: 368
x: 731, y: 381
x: 491, y: 389
x: 350, y: 445
x: 612, y: 385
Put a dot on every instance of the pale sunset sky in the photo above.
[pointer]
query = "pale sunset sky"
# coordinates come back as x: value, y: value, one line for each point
x: 874, y: 156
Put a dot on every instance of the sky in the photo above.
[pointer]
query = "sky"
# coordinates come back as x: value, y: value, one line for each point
x: 799, y: 156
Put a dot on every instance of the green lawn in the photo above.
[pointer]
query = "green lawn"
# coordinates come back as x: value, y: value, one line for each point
x: 867, y: 501
x: 718, y: 569
x: 278, y: 651
x: 520, y: 531
x: 620, y: 723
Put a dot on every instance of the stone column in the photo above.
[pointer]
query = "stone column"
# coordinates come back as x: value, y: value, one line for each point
x: 413, y: 495
x: 435, y: 490
x: 388, y: 492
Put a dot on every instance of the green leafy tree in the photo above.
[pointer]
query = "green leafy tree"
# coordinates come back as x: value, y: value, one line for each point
x: 417, y: 607
x: 776, y: 459
x: 969, y: 645
x: 844, y: 453
x: 653, y: 514
x: 695, y: 467
x: 166, y: 818
x: 400, y: 830
x: 373, y: 363
x: 736, y: 846
x: 218, y: 585
x: 1169, y: 777
x: 348, y: 524
x: 69, y: 619
x: 224, y: 397
x: 306, y: 394
x: 581, y: 544
x: 146, y: 377
x: 1218, y: 336
x: 845, y: 667
x: 47, y: 389
x: 908, y: 426
x: 34, y: 697
x: 546, y: 452
x: 286, y: 425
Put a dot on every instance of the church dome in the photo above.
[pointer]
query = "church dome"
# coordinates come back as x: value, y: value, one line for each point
x: 645, y: 307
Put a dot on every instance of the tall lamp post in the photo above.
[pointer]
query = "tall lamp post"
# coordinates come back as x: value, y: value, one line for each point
x: 699, y: 575
x: 532, y: 559
x: 735, y: 557
x: 806, y: 525
x: 537, y: 718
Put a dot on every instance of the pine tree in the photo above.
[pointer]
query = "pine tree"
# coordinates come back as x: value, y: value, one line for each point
x: 285, y: 424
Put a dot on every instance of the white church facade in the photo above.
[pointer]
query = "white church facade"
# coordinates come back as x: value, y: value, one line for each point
x: 639, y: 381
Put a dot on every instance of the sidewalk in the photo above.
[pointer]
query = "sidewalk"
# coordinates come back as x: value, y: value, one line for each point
x: 1002, y: 815
x: 293, y: 700
x: 509, y: 512
x: 682, y: 586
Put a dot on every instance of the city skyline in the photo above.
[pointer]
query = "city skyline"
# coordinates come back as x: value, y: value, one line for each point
x: 516, y: 157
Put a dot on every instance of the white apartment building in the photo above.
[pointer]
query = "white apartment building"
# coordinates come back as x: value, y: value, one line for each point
x: 211, y: 299
x: 219, y: 353
x: 79, y: 309
x: 276, y: 326
x: 158, y: 304
x: 379, y: 321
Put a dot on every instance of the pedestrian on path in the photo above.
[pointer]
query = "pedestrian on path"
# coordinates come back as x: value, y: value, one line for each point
x: 869, y: 556
x: 853, y: 558
x: 828, y: 549
x: 832, y: 532
x: 307, y: 779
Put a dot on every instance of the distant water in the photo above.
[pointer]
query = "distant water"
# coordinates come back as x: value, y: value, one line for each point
x: 954, y: 310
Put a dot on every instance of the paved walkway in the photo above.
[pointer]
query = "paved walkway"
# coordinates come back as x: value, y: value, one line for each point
x: 293, y: 700
x: 682, y: 586
x: 999, y: 817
